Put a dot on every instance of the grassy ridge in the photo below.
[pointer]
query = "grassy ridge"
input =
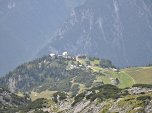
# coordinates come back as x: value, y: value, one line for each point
x: 141, y: 75
x: 44, y: 94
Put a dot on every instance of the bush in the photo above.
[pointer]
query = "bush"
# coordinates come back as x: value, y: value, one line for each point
x: 97, y: 84
x: 104, y: 63
x: 143, y: 85
x: 61, y: 95
x: 85, y: 78
x: 143, y: 98
x: 37, y: 104
x: 75, y: 89
x: 78, y: 98
x: 104, y: 92
x: 93, y: 58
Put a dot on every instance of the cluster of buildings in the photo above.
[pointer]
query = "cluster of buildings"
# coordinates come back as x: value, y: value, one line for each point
x: 77, y: 58
x: 66, y: 55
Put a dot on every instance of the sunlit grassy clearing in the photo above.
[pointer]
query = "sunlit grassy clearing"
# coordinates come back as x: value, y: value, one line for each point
x: 142, y: 75
x: 45, y: 94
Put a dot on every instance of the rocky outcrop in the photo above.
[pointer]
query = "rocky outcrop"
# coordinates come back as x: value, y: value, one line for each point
x: 138, y: 90
x: 148, y: 108
x: 12, y: 84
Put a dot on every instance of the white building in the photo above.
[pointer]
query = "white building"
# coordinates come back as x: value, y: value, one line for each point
x: 65, y: 53
x: 52, y: 55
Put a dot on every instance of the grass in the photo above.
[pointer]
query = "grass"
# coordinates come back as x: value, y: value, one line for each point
x: 82, y: 61
x: 125, y: 79
x: 92, y: 63
x: 106, y: 107
x: 141, y: 75
x: 132, y: 101
x: 105, y: 79
x: 82, y: 88
x: 20, y: 94
x: 45, y: 94
x: 48, y: 95
x: 96, y: 68
x: 95, y: 62
x: 129, y: 102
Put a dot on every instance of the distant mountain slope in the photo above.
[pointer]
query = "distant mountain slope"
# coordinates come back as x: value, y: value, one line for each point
x: 119, y: 30
x: 26, y: 25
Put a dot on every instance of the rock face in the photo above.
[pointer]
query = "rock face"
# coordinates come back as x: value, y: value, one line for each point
x: 12, y: 84
x: 148, y: 108
x: 128, y: 103
x: 119, y: 30
x: 115, y: 81
x: 138, y: 90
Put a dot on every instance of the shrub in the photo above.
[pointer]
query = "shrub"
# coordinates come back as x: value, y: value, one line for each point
x: 78, y: 98
x: 39, y: 103
x: 104, y: 63
x: 75, y: 89
x: 61, y: 95
x: 143, y: 85
x: 104, y: 92
x: 143, y: 98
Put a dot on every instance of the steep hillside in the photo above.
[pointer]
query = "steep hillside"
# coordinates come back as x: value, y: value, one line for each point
x: 119, y: 30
